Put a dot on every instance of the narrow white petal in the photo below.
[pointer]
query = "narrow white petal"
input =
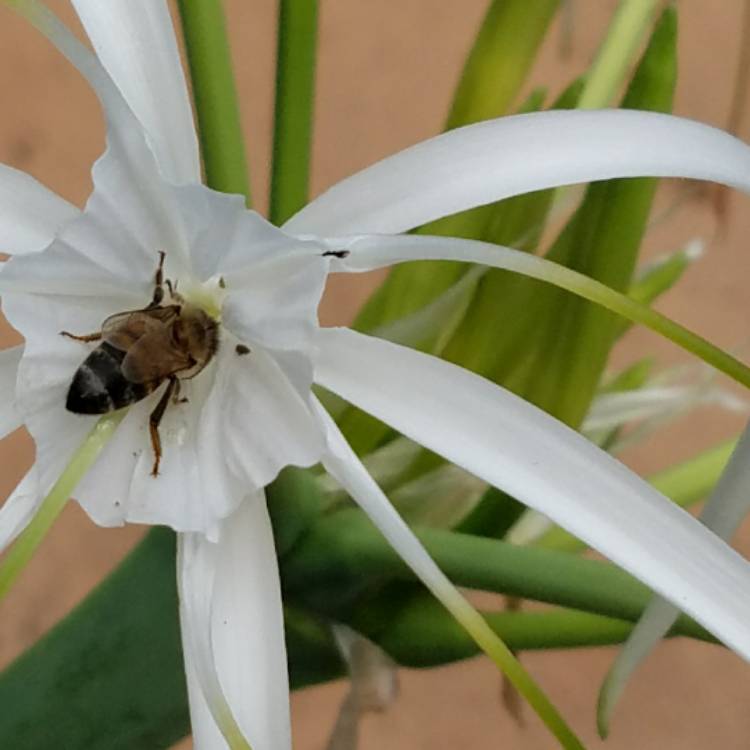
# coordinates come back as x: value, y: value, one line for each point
x: 521, y: 449
x: 30, y: 214
x: 343, y: 464
x: 10, y: 418
x: 230, y: 594
x: 130, y: 192
x: 496, y: 159
x: 197, y: 569
x: 725, y: 509
x: 18, y: 510
x: 135, y: 41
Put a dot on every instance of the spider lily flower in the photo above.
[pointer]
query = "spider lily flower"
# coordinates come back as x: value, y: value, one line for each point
x: 249, y: 414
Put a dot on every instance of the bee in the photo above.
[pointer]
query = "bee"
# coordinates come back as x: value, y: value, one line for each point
x: 139, y: 351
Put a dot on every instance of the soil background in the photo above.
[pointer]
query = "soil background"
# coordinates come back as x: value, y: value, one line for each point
x: 385, y: 78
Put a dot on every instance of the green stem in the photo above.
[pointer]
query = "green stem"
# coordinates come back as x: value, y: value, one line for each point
x: 420, y: 634
x: 216, y: 104
x: 31, y: 537
x: 295, y: 95
x: 345, y: 547
x: 620, y: 46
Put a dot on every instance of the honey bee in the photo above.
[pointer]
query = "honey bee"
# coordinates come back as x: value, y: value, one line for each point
x: 140, y: 350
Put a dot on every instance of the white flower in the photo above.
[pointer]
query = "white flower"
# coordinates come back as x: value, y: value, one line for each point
x: 249, y: 416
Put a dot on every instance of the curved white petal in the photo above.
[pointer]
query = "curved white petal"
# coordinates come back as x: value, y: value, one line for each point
x: 19, y: 508
x: 30, y: 214
x: 519, y: 448
x: 10, y: 418
x: 496, y: 159
x: 233, y: 626
x: 136, y: 43
x: 725, y: 509
x: 345, y: 467
x: 243, y: 422
x: 128, y: 185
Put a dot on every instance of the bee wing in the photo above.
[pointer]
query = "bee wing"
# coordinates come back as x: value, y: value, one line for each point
x: 124, y: 329
x: 154, y: 357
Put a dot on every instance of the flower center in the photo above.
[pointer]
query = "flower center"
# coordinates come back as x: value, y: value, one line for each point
x: 207, y: 295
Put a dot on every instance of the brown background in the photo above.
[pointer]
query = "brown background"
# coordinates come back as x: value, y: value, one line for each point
x: 386, y: 73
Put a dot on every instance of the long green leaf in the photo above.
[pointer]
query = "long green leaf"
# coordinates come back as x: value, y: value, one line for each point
x: 602, y: 241
x: 293, y: 117
x: 495, y: 70
x: 219, y: 126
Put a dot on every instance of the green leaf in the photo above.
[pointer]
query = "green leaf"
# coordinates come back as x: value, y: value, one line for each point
x: 109, y: 676
x: 602, y: 241
x: 219, y: 126
x: 294, y: 502
x: 293, y: 117
x: 624, y: 35
x: 495, y: 70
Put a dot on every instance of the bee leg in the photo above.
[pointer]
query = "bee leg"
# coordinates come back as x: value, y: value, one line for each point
x: 158, y: 282
x: 153, y: 424
x: 85, y: 337
x: 176, y: 396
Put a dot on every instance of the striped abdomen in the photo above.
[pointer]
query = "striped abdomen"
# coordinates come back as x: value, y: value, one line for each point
x: 99, y: 386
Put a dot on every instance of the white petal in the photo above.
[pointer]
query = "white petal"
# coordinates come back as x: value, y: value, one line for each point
x: 135, y: 41
x: 129, y: 187
x: 259, y: 419
x: 231, y: 614
x: 244, y: 421
x: 725, y: 509
x: 228, y: 239
x: 10, y: 418
x: 46, y: 370
x: 519, y: 448
x: 274, y: 281
x: 30, y: 214
x: 496, y: 159
x: 18, y: 510
x: 277, y: 305
x: 343, y: 464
